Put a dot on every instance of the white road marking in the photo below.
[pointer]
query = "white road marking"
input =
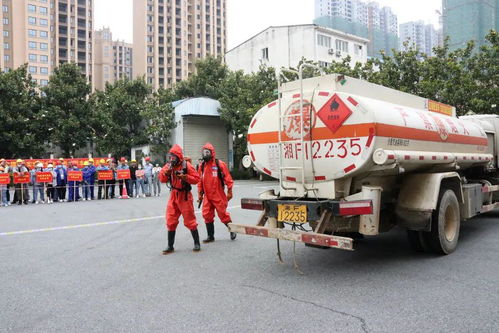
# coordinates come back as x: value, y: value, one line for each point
x: 90, y: 225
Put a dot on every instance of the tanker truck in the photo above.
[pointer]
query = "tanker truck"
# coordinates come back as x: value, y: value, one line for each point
x: 356, y: 159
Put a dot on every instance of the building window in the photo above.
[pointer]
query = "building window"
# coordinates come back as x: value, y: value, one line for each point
x: 43, y: 83
x: 32, y: 20
x: 44, y: 34
x: 44, y: 59
x: 32, y: 8
x: 6, y: 46
x: 44, y: 70
x: 358, y: 49
x: 32, y: 33
x: 342, y: 45
x: 32, y: 57
x: 43, y: 10
x: 5, y: 21
x: 265, y: 53
x: 44, y: 46
x: 32, y: 69
x: 6, y: 57
x: 324, y: 64
x: 324, y: 41
x: 32, y: 45
x: 5, y: 9
x: 6, y: 33
x: 44, y: 22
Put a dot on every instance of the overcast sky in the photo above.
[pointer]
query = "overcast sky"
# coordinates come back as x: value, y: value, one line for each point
x: 248, y: 17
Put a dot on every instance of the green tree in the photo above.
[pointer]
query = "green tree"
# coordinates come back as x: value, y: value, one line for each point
x: 121, y: 108
x: 160, y: 118
x: 65, y: 105
x: 210, y: 75
x: 242, y: 96
x: 22, y: 125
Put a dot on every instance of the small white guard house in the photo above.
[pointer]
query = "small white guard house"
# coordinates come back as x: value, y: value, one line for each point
x: 198, y: 121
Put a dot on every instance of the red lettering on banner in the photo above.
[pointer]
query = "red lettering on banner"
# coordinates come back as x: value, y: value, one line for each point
x: 105, y: 175
x: 75, y: 176
x: 44, y: 177
x: 4, y: 179
x: 22, y: 178
x: 123, y: 174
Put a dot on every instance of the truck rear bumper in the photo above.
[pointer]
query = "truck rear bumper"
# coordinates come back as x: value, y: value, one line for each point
x: 343, y: 243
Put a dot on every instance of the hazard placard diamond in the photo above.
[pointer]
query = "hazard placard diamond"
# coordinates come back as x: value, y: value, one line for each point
x: 334, y: 113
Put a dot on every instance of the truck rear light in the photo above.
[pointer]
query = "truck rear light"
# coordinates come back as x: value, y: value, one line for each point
x: 253, y: 204
x: 360, y: 207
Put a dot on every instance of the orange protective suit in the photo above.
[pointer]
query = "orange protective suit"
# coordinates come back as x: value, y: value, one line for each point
x: 181, y: 201
x: 210, y: 185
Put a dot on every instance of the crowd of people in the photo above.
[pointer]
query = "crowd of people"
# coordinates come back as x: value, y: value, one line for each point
x: 143, y: 182
x: 55, y: 182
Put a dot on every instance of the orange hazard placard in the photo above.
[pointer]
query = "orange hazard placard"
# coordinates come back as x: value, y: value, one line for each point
x: 334, y: 113
x: 75, y: 176
x: 4, y: 178
x: 124, y: 174
x: 105, y: 175
x: 44, y: 177
x: 21, y: 179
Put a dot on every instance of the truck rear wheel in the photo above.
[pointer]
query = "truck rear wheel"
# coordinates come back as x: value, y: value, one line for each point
x: 445, y: 225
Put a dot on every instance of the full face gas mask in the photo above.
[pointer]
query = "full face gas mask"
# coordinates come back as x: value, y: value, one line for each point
x: 173, y: 159
x: 207, y: 156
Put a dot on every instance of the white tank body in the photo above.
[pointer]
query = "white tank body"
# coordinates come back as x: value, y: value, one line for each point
x: 353, y: 128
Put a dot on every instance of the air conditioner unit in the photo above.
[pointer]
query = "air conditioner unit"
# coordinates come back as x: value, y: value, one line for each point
x: 338, y: 53
x: 330, y: 51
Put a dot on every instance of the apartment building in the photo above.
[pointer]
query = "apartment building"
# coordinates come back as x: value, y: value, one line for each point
x: 418, y: 35
x: 466, y: 20
x: 44, y: 34
x: 169, y: 35
x: 113, y: 59
x: 364, y: 19
x: 286, y: 46
x: 122, y: 60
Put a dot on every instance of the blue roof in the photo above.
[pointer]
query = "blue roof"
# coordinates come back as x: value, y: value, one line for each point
x: 202, y: 106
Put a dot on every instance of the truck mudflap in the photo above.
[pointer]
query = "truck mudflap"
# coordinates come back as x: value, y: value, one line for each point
x: 337, y: 242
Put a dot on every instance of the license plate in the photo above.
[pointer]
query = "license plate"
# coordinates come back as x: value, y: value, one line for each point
x: 292, y: 213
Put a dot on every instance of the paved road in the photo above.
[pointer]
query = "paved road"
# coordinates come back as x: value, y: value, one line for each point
x: 111, y: 277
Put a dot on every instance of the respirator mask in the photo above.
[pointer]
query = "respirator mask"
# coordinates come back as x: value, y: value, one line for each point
x: 207, y: 155
x: 173, y: 159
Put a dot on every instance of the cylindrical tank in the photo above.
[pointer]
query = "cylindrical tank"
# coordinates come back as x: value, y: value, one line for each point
x: 347, y: 133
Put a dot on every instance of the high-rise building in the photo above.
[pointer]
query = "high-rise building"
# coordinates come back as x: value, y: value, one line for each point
x: 367, y: 20
x: 170, y: 35
x: 44, y: 34
x: 113, y: 59
x: 466, y: 20
x: 123, y: 60
x: 417, y: 34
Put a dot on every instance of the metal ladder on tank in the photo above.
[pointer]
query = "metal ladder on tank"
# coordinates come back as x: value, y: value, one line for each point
x: 280, y: 76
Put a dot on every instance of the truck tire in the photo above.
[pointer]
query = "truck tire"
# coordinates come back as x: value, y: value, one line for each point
x: 445, y: 224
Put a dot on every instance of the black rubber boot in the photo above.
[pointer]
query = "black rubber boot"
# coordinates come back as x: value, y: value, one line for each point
x: 233, y: 235
x: 171, y: 241
x: 195, y: 236
x: 210, y: 229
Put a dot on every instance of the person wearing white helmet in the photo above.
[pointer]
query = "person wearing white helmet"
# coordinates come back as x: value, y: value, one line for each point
x: 51, y: 187
x: 21, y: 194
x: 37, y: 187
x: 156, y: 184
